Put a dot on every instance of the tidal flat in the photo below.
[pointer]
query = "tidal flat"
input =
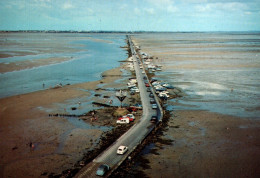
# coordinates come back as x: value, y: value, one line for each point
x: 33, y: 143
x: 214, y: 130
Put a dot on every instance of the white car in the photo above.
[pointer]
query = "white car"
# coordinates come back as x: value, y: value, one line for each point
x: 121, y: 150
x: 123, y: 121
x: 135, y: 89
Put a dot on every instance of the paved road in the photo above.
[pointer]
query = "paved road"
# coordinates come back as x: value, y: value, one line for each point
x: 133, y: 137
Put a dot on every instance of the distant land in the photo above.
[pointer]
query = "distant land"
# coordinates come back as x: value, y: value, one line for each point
x: 101, y: 31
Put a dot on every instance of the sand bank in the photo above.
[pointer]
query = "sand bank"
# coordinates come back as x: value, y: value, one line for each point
x: 58, y: 144
x: 28, y: 64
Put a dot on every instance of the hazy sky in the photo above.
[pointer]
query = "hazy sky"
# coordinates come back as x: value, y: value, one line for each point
x: 131, y: 15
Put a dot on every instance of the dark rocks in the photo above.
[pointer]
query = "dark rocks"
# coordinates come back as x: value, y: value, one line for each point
x: 176, y: 92
x: 14, y: 148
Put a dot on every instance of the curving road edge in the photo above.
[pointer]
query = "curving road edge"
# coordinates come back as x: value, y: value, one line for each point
x: 134, y: 136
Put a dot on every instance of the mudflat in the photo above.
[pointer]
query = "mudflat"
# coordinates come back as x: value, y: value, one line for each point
x: 205, y: 144
x: 196, y: 142
x: 34, y: 144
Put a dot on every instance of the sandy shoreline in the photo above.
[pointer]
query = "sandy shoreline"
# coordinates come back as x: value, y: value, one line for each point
x: 58, y: 143
x: 21, y: 65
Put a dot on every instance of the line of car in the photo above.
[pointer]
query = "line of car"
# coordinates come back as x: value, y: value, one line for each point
x: 122, y: 149
x: 154, y: 119
x: 104, y: 168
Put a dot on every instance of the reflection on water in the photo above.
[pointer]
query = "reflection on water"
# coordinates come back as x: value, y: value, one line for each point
x: 220, y: 72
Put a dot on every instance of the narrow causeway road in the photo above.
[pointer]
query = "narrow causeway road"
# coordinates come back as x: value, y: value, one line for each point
x: 134, y: 136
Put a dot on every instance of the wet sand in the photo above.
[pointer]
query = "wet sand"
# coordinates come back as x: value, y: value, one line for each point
x: 199, y: 143
x: 21, y: 65
x: 204, y: 144
x: 36, y: 45
x: 58, y: 144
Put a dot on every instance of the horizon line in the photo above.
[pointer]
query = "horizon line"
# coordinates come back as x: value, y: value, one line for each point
x: 118, y: 31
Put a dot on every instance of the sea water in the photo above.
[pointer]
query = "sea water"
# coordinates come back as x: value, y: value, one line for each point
x: 219, y: 72
x: 91, y: 54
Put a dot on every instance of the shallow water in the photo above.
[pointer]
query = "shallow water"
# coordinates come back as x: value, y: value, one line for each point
x: 219, y: 72
x: 91, y: 55
x: 78, y: 124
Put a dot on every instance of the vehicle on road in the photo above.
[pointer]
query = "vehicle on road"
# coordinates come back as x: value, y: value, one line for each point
x: 121, y: 150
x: 102, y: 170
x: 154, y: 106
x: 152, y: 101
x: 154, y: 119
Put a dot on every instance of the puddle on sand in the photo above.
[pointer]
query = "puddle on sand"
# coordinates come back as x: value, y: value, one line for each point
x: 243, y: 126
x: 203, y: 131
x: 78, y: 124
x: 192, y: 123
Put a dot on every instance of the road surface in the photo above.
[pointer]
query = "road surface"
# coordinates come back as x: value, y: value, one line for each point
x: 133, y: 137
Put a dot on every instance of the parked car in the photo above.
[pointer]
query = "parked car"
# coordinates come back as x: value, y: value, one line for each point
x: 138, y: 106
x: 132, y: 92
x: 149, y: 89
x: 126, y: 117
x: 130, y: 116
x: 154, y: 119
x: 123, y: 121
x: 151, y: 95
x: 135, y: 89
x: 121, y: 150
x: 102, y: 170
x: 147, y: 85
x: 153, y: 80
